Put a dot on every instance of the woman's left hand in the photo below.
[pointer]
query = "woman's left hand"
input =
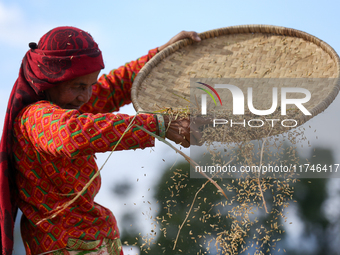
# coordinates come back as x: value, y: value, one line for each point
x: 185, y: 131
x: 182, y: 35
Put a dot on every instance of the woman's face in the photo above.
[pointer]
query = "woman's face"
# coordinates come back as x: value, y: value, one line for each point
x: 74, y: 93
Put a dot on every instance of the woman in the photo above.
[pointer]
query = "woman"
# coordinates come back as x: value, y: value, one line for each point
x: 58, y: 117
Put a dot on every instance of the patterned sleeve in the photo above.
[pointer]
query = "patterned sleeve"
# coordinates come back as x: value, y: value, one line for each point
x: 114, y: 90
x: 61, y: 132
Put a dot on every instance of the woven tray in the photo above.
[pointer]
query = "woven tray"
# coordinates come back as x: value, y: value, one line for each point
x: 249, y: 51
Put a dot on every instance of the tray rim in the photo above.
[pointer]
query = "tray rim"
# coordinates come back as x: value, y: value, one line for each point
x: 242, y: 29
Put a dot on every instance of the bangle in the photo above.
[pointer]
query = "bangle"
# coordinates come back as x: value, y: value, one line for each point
x: 161, y: 125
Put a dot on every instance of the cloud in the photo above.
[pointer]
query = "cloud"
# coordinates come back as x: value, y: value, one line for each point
x: 16, y: 27
x: 9, y: 14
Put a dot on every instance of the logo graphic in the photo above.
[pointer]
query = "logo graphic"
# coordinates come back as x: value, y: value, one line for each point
x: 238, y: 99
x: 204, y: 97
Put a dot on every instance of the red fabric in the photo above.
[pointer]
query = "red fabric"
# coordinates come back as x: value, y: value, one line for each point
x: 62, y: 54
x: 54, y: 154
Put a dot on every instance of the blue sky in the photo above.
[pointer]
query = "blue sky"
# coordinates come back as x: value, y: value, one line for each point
x: 125, y: 30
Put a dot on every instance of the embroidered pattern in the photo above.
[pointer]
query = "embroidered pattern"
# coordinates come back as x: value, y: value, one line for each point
x: 105, y: 247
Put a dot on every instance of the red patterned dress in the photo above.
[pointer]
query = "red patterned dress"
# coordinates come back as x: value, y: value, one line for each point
x: 54, y: 151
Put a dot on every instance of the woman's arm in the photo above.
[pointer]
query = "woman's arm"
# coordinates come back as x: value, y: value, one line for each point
x: 114, y: 89
x: 61, y: 132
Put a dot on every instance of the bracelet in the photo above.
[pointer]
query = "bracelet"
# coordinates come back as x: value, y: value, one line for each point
x: 161, y: 125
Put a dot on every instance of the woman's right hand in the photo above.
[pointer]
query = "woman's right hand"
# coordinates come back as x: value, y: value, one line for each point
x: 181, y: 35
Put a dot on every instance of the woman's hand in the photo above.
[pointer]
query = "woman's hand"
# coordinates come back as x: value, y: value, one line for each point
x: 182, y: 35
x: 179, y: 130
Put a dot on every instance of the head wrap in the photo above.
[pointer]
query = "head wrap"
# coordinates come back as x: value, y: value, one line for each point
x: 62, y: 54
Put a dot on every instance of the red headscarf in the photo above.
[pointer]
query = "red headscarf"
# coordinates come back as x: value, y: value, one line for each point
x: 62, y: 54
